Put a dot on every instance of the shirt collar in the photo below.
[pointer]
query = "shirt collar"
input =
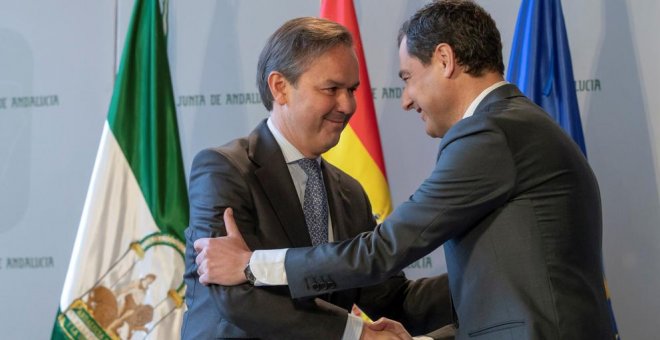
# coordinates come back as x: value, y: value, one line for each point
x: 290, y: 152
x: 473, y: 106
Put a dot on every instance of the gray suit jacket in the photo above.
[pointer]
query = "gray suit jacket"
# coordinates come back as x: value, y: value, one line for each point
x: 517, y: 208
x: 251, y: 176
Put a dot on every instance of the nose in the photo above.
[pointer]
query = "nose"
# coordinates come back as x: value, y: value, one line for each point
x: 406, y: 102
x: 346, y: 102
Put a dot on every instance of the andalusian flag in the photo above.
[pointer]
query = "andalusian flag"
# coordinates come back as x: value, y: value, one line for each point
x: 359, y: 153
x: 125, y: 278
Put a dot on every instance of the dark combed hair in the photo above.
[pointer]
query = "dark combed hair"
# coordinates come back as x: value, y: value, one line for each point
x: 293, y: 47
x: 463, y: 25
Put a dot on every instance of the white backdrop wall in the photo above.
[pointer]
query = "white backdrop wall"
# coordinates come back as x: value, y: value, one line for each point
x: 57, y: 65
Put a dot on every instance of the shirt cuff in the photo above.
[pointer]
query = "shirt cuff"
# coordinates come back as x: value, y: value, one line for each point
x: 353, y: 329
x: 267, y: 266
x: 422, y: 337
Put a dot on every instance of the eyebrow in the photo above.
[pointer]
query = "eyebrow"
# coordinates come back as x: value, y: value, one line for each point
x: 338, y: 84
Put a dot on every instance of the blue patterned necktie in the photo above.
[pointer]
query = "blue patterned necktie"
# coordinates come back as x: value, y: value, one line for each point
x: 315, y: 203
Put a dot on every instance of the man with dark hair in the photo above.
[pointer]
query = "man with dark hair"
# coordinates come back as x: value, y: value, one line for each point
x: 511, y: 197
x: 287, y: 196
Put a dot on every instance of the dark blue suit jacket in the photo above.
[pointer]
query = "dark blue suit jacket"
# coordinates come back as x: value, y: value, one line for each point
x: 518, y: 209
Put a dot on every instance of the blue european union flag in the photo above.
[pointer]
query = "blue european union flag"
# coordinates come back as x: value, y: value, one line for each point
x: 540, y: 64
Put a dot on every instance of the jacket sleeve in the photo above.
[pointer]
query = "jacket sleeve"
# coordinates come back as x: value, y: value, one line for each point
x: 421, y: 305
x: 242, y: 311
x: 474, y: 175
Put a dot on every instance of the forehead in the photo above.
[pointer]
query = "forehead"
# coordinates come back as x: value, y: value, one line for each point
x: 406, y: 62
x: 338, y: 64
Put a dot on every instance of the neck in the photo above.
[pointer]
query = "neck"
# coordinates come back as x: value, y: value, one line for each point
x: 471, y: 87
x: 287, y: 132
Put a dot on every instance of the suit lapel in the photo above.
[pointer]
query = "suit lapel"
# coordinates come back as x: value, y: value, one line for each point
x: 273, y: 175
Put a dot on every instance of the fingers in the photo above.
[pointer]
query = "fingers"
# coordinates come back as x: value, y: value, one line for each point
x: 204, y: 279
x: 202, y: 270
x: 203, y: 274
x: 389, y: 325
x: 378, y: 330
x: 202, y: 266
x: 201, y: 256
x: 200, y: 244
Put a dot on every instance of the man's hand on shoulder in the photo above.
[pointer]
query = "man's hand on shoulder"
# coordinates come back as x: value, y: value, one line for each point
x: 222, y: 260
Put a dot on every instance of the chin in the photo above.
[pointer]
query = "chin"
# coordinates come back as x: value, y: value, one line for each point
x: 434, y: 134
x: 429, y: 130
x: 331, y: 143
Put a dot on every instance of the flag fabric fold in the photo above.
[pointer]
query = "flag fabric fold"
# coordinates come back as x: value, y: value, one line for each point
x: 125, y: 277
x: 540, y: 65
x: 359, y: 151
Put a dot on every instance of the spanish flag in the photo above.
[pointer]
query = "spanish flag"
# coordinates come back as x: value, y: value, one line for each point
x: 359, y: 152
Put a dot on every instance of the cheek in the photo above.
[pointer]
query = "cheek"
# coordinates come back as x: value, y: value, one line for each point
x: 352, y: 102
x: 417, y: 92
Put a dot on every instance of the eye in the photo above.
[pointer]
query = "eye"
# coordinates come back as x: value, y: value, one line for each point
x: 352, y: 90
x: 330, y: 90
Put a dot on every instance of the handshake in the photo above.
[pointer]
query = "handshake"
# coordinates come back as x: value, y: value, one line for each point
x: 384, y: 329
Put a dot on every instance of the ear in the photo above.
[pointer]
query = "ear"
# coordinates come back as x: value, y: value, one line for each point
x: 279, y: 87
x: 445, y: 57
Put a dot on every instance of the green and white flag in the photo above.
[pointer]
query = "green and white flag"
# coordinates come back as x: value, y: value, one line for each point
x: 125, y: 278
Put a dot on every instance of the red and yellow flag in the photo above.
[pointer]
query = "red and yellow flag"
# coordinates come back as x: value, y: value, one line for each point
x: 359, y: 152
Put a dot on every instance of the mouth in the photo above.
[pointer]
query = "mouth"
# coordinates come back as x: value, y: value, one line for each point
x: 337, y: 118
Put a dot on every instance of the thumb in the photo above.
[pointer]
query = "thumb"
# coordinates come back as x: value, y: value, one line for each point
x: 230, y: 223
x: 378, y: 325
